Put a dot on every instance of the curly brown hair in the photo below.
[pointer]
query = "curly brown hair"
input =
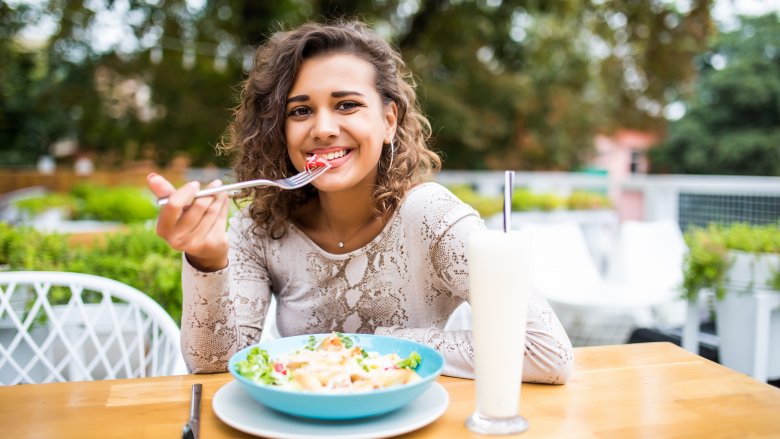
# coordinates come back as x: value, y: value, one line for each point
x: 256, y: 138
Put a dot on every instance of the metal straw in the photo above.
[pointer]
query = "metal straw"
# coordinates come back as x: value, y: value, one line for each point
x: 509, y: 183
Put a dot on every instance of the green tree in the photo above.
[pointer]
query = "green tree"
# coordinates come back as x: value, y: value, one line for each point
x: 28, y: 122
x: 732, y: 124
x: 512, y: 83
x: 527, y: 85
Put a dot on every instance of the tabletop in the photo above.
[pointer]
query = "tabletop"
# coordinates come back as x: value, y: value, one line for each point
x: 637, y: 390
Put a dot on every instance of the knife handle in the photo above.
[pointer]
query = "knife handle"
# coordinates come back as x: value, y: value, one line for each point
x: 197, y: 390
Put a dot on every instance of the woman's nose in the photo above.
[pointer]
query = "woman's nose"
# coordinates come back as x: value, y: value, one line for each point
x: 325, y: 125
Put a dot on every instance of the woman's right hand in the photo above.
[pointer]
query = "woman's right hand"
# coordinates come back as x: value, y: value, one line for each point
x: 193, y: 226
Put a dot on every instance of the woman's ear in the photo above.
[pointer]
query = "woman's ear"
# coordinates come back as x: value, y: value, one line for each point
x: 391, y: 121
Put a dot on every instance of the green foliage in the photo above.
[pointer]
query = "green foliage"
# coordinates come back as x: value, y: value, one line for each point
x: 582, y: 200
x: 707, y: 261
x: 37, y: 205
x: 731, y: 126
x: 121, y: 204
x: 138, y: 258
x: 753, y: 239
x: 509, y: 84
x: 486, y: 206
x: 86, y: 201
x: 26, y: 249
x: 524, y: 200
x: 29, y: 119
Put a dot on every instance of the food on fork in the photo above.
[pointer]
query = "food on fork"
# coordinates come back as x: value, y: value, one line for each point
x: 314, y: 161
x: 335, y: 365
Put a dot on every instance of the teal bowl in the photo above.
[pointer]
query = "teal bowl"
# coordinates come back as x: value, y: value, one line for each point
x: 342, y: 405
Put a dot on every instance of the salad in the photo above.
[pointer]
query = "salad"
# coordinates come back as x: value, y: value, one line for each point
x: 334, y: 365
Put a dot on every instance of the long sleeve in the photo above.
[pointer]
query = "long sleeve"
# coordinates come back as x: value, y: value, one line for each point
x: 224, y: 311
x: 406, y: 282
x: 548, y: 352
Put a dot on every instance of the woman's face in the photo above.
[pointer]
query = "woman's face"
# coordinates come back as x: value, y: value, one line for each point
x: 334, y: 111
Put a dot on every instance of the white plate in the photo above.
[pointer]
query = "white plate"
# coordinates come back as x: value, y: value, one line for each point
x: 237, y: 409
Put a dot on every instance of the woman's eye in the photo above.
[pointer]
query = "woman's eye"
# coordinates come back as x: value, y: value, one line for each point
x: 348, y: 105
x: 299, y: 111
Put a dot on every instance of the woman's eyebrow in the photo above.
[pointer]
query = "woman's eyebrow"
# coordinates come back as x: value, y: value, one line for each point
x: 335, y: 94
x: 341, y: 94
x: 298, y: 98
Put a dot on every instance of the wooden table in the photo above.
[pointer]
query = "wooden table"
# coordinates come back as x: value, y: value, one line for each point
x: 654, y: 390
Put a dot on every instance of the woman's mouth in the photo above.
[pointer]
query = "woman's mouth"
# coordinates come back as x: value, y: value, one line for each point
x: 334, y: 157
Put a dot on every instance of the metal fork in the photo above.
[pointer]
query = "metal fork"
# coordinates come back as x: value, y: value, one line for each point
x: 296, y: 181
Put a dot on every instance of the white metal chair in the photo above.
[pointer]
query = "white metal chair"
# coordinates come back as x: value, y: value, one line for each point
x: 57, y: 326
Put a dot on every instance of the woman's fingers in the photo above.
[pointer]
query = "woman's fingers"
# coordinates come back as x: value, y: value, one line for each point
x: 201, y: 215
x: 210, y: 236
x: 194, y: 225
x: 159, y: 185
x: 172, y: 214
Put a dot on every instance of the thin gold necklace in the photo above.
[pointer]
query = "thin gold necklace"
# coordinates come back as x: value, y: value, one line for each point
x: 343, y: 242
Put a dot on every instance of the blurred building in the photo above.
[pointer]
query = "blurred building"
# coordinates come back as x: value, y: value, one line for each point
x: 622, y: 155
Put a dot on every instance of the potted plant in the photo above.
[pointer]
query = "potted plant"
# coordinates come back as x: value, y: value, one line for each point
x: 740, y: 264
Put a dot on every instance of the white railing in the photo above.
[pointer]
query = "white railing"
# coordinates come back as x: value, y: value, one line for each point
x: 492, y: 182
x: 638, y: 196
x: 661, y: 193
x: 652, y: 197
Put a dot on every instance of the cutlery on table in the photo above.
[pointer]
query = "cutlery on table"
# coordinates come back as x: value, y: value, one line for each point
x: 191, y: 429
x: 296, y: 181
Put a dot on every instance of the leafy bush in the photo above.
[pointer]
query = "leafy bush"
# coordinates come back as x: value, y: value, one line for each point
x: 88, y: 201
x: 582, y: 200
x: 548, y: 202
x: 524, y: 200
x: 486, y: 206
x: 138, y: 258
x: 708, y: 260
x: 37, y: 205
x: 121, y: 204
x: 26, y: 249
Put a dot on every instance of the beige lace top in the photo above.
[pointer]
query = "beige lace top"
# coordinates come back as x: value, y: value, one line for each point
x: 404, y: 283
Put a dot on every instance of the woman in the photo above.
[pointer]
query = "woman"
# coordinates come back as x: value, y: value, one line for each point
x: 368, y: 247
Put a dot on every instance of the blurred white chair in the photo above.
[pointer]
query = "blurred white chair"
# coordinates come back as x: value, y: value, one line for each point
x: 562, y: 266
x: 270, y: 330
x: 593, y: 309
x: 649, y: 256
x: 100, y: 329
x: 460, y: 319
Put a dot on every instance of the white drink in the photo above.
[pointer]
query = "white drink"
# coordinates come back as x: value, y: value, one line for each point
x: 499, y: 288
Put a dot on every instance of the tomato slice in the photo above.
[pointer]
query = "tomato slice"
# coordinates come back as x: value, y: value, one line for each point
x: 315, y: 162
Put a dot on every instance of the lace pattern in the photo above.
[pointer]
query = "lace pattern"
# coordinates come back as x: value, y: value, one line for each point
x: 404, y: 283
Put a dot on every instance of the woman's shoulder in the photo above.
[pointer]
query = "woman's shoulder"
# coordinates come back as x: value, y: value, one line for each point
x: 433, y: 204
x: 429, y: 192
x: 242, y: 224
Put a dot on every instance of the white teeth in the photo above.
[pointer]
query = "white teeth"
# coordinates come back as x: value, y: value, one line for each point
x: 331, y: 155
x: 335, y: 155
